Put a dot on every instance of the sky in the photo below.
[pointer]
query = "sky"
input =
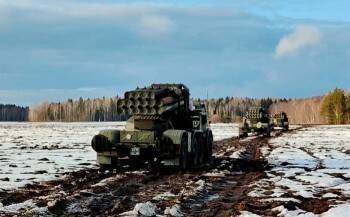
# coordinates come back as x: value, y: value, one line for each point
x: 54, y: 50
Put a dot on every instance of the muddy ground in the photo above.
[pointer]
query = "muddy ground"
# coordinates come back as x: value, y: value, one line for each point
x: 218, y: 189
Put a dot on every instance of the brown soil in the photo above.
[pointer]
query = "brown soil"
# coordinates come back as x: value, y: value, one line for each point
x: 79, y: 194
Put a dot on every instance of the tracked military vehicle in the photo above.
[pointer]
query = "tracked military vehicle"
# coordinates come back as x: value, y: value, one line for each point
x: 281, y: 120
x: 164, y: 128
x: 255, y: 120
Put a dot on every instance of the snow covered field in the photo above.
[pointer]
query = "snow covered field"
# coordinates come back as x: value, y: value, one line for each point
x: 312, y: 163
x: 224, y: 131
x: 33, y: 152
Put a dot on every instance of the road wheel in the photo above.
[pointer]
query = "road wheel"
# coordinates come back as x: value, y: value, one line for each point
x: 243, y: 135
x: 100, y: 143
x: 196, y: 150
x: 105, y: 167
x: 208, y: 146
x: 268, y: 131
x: 155, y: 164
x: 202, y: 148
x: 183, y: 153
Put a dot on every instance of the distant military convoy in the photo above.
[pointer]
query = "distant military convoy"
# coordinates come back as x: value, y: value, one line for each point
x: 281, y: 120
x: 258, y: 120
x: 165, y: 127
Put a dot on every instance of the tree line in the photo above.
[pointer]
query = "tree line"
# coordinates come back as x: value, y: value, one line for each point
x: 105, y: 109
x: 333, y: 108
x: 13, y: 113
x: 231, y: 109
x: 99, y: 109
x: 301, y: 111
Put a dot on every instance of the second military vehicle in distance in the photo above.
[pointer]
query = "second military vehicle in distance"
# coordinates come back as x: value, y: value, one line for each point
x: 281, y: 120
x: 164, y: 128
x: 257, y: 120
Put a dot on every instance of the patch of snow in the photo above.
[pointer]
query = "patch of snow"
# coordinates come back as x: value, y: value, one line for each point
x: 28, y: 204
x: 213, y: 197
x: 345, y: 188
x: 201, y: 185
x: 238, y: 154
x: 174, y: 211
x: 265, y: 151
x: 341, y: 210
x: 143, y: 209
x: 193, y: 188
x: 291, y: 213
x: 250, y: 137
x: 282, y: 199
x: 214, y: 174
x: 36, y: 152
x: 224, y: 131
x: 320, y: 180
x: 329, y: 195
x: 164, y: 196
x: 298, y: 188
x: 247, y: 214
x: 105, y: 181
x: 137, y: 172
x: 305, y: 163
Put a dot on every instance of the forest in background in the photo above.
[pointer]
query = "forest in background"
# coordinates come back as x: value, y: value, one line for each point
x: 301, y: 111
x: 13, y: 113
x: 231, y: 109
x: 105, y: 109
x: 99, y: 109
x: 333, y: 108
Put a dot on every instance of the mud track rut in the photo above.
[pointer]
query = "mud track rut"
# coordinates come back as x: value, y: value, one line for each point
x: 218, y: 189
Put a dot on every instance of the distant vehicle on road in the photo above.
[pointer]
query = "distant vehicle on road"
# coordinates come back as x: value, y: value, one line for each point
x: 281, y: 120
x: 255, y: 120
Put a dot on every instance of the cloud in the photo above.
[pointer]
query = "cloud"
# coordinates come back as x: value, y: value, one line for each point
x: 303, y: 36
x: 102, y: 44
x: 141, y: 18
x: 155, y: 25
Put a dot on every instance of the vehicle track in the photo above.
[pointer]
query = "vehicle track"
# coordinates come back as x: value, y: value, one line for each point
x: 218, y: 189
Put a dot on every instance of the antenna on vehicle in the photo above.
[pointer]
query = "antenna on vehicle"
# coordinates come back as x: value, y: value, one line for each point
x: 207, y: 104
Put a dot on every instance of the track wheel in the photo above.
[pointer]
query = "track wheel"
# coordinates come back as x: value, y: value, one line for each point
x: 183, y: 153
x: 196, y: 152
x: 208, y: 146
x: 268, y: 131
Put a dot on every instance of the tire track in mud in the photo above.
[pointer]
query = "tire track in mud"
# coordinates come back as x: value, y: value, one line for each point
x: 263, y: 206
x: 218, y: 189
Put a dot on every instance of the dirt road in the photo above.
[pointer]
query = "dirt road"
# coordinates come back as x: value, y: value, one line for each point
x: 218, y: 189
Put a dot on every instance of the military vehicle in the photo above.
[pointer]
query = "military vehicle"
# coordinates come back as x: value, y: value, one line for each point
x: 165, y: 128
x: 257, y: 120
x: 281, y: 120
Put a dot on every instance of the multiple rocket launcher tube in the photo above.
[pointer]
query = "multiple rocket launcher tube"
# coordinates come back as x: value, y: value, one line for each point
x: 147, y: 102
x: 253, y: 113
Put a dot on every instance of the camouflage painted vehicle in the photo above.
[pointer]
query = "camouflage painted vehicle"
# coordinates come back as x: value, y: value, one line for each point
x: 255, y: 120
x: 281, y: 120
x: 164, y: 128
